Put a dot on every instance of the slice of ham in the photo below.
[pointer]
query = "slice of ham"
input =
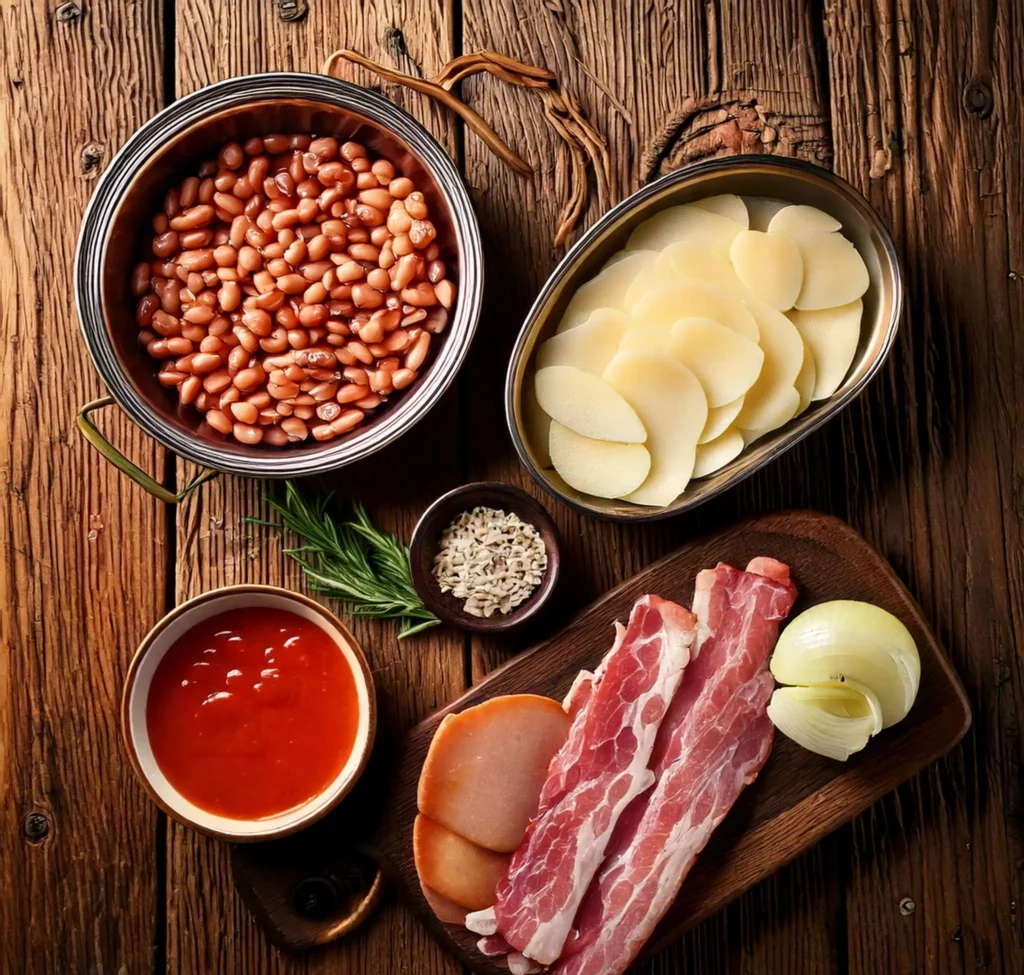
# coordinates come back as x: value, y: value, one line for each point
x: 713, y: 742
x: 600, y: 769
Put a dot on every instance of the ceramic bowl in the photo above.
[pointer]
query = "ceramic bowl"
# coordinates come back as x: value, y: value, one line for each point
x: 135, y: 698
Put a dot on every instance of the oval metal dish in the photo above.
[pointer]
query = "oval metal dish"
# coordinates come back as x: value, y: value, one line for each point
x: 768, y: 177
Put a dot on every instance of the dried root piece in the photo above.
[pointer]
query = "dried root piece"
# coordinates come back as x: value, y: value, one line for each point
x: 582, y: 145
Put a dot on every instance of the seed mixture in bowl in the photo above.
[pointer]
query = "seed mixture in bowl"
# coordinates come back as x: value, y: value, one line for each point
x: 291, y: 287
x: 490, y: 559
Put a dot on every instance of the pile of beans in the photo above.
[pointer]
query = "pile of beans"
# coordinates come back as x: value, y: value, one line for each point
x: 290, y: 287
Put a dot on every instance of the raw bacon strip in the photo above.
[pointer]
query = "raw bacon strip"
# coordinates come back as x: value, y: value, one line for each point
x: 595, y: 775
x: 713, y: 742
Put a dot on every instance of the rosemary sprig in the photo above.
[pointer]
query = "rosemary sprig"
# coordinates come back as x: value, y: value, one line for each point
x: 352, y: 561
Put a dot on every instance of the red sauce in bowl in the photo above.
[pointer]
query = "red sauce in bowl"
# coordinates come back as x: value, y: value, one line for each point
x: 252, y: 712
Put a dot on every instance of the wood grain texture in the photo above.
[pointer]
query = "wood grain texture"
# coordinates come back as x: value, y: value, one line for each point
x: 926, y: 119
x: 798, y: 798
x: 209, y: 930
x: 74, y: 537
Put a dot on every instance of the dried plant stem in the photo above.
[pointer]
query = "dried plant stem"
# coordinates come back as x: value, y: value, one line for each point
x: 581, y: 144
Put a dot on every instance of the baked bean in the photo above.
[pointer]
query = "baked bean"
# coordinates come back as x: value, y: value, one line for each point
x: 369, y: 402
x: 421, y: 295
x: 166, y: 244
x: 193, y: 217
x: 248, y: 379
x: 217, y: 381
x: 231, y: 156
x: 416, y: 356
x: 199, y: 315
x: 422, y: 233
x: 245, y: 412
x: 401, y: 378
x: 436, y: 321
x: 142, y: 274
x: 401, y: 187
x: 444, y: 290
x: 284, y: 247
x: 247, y: 433
x: 286, y: 316
x: 363, y: 252
x: 347, y: 420
x: 225, y: 181
x: 383, y: 170
x: 399, y: 221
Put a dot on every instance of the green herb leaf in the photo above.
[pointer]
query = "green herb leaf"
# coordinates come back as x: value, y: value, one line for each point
x: 352, y: 561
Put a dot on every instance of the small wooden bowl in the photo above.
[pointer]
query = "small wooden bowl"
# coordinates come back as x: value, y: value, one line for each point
x: 427, y: 536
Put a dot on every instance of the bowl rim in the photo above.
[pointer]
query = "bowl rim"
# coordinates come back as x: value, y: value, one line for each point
x: 771, y: 449
x: 194, y: 109
x: 539, y: 517
x: 313, y: 811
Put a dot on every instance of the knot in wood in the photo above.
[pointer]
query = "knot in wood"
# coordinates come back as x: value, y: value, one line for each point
x: 36, y: 826
x: 68, y: 12
x: 92, y: 157
x: 315, y: 898
x: 292, y: 11
x: 978, y: 99
x: 907, y: 907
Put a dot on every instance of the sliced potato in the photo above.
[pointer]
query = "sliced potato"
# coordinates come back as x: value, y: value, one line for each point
x: 770, y: 266
x: 536, y: 423
x: 667, y: 304
x: 606, y: 290
x: 834, y: 272
x: 719, y: 420
x: 615, y: 258
x: 589, y: 346
x: 726, y: 363
x: 686, y: 260
x: 687, y: 222
x: 681, y: 261
x: 587, y: 404
x: 762, y: 211
x: 671, y: 403
x: 726, y: 205
x: 767, y: 403
x: 598, y: 467
x: 715, y: 454
x: 804, y: 381
x: 802, y: 219
x: 772, y: 412
x: 832, y: 335
x: 646, y: 335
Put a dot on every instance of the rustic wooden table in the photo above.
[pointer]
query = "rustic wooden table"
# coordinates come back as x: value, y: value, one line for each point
x: 916, y: 104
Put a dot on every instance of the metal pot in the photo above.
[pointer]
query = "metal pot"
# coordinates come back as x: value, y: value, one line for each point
x: 172, y: 144
x: 767, y: 177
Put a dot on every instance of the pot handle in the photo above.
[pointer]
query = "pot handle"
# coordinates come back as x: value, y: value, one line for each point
x: 91, y: 433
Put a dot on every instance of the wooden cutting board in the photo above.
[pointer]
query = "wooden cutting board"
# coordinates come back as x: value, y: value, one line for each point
x: 797, y: 800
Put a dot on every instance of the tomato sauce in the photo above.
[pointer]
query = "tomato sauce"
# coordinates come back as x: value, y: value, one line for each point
x: 252, y: 712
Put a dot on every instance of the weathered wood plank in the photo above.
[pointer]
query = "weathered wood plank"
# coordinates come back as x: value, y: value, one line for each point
x: 208, y: 928
x: 927, y: 121
x: 82, y: 556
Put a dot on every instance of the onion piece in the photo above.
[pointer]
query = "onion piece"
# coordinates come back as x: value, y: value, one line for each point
x: 846, y: 641
x: 823, y: 719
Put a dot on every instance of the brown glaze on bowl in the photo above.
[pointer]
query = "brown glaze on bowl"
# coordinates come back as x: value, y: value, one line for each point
x: 441, y: 514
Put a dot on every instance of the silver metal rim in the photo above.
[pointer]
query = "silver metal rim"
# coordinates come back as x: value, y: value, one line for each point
x: 149, y: 139
x: 770, y: 450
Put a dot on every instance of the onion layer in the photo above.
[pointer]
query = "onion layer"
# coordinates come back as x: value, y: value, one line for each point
x: 855, y: 670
